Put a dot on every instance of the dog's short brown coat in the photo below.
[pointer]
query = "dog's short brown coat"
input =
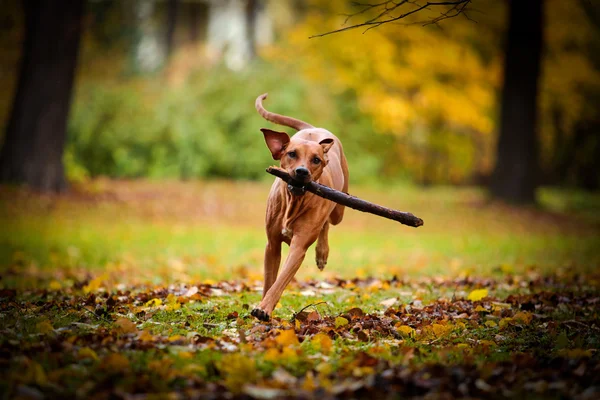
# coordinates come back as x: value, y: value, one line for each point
x: 298, y: 219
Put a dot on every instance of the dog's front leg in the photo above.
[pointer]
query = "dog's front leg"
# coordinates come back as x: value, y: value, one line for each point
x: 272, y: 261
x: 298, y: 247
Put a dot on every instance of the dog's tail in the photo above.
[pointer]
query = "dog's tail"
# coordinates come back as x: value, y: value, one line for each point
x: 279, y: 119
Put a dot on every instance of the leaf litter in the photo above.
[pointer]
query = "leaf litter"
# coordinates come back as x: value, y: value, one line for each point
x: 517, y: 336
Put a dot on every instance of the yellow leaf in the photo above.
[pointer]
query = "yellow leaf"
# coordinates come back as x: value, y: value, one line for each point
x: 488, y: 343
x: 55, y: 285
x: 272, y: 355
x: 477, y: 294
x: 323, y: 342
x: 115, y: 362
x: 175, y: 338
x: 154, y: 303
x: 86, y: 352
x: 173, y: 306
x: 504, y: 322
x: 44, y: 327
x: 287, y: 338
x: 491, y: 324
x: 406, y: 331
x: 440, y: 330
x: 123, y: 325
x: 237, y: 371
x: 481, y: 309
x: 309, y: 382
x: 146, y: 336
x: 35, y: 374
x: 95, y: 283
x: 524, y: 317
x: 340, y: 321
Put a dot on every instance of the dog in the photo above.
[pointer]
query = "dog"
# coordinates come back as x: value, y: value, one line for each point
x: 294, y: 216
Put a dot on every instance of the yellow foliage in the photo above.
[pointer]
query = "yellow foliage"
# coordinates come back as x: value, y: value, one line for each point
x: 287, y: 338
x: 237, y: 370
x: 154, y: 303
x: 54, y: 285
x: 340, y: 321
x: 491, y: 324
x: 440, y: 330
x: 95, y: 283
x: 44, y: 327
x: 504, y: 322
x: 477, y: 294
x: 86, y: 352
x: 523, y: 317
x: 323, y: 342
x: 406, y: 330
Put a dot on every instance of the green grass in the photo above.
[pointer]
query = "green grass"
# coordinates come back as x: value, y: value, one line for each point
x: 185, y: 232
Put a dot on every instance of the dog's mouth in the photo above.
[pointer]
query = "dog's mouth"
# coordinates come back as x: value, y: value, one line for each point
x: 296, y: 190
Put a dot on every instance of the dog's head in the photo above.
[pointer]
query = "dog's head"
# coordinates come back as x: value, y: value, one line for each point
x: 303, y: 159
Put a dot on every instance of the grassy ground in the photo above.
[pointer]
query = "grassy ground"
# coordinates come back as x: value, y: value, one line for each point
x: 142, y: 287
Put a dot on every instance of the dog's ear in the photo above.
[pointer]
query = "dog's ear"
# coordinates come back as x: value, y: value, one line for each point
x: 326, y: 144
x: 276, y: 142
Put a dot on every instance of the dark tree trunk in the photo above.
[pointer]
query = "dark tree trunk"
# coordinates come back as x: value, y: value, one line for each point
x: 172, y: 6
x: 194, y: 15
x: 515, y: 175
x: 36, y: 131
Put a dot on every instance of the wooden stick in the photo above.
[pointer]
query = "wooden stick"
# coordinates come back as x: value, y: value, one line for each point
x: 347, y: 200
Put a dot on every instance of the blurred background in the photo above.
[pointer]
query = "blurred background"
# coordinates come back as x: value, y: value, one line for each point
x: 503, y: 96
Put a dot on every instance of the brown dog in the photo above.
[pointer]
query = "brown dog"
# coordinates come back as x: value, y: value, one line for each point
x: 293, y: 216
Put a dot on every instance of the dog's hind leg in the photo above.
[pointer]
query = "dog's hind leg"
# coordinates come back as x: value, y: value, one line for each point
x: 322, y: 249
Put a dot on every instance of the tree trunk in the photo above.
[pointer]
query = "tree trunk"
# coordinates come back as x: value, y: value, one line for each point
x: 172, y: 7
x: 515, y: 175
x: 36, y: 131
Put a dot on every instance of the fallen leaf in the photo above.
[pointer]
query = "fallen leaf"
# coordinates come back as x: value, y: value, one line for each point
x: 95, y: 284
x: 154, y: 303
x: 44, y: 327
x: 340, y: 321
x: 287, y: 338
x: 323, y: 342
x: 477, y: 294
x: 389, y: 302
x: 406, y: 330
x: 123, y: 325
x: 86, y: 352
x: 524, y: 317
x: 191, y: 291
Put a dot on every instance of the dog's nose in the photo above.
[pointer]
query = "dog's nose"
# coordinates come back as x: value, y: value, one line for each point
x: 301, y: 172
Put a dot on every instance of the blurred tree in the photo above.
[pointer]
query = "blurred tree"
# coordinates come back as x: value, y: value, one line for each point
x: 36, y: 131
x: 172, y: 7
x: 515, y: 176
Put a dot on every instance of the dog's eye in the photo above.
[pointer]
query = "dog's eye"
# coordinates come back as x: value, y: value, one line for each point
x: 292, y: 154
x: 316, y: 160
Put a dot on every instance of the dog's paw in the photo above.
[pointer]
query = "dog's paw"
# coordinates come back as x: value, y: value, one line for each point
x: 321, y: 264
x: 260, y: 314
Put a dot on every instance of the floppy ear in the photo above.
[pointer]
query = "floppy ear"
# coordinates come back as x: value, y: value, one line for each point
x: 326, y: 144
x: 276, y: 142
